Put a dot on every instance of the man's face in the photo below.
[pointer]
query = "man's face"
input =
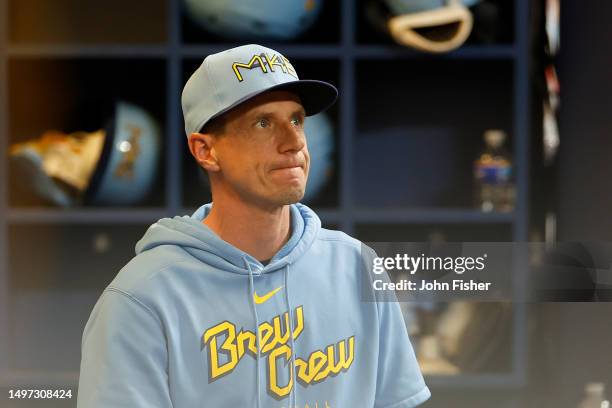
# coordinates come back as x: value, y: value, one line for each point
x: 262, y: 155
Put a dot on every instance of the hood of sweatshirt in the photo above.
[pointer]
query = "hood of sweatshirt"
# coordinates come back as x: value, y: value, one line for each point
x: 201, y: 242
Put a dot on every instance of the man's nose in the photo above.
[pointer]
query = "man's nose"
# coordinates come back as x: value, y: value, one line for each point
x: 293, y: 138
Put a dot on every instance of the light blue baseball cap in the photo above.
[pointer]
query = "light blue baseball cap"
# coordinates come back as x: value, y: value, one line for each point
x: 228, y: 78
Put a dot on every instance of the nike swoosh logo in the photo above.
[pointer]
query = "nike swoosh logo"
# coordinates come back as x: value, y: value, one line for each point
x: 262, y: 299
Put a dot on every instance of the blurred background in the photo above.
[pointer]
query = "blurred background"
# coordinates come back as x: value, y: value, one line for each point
x: 473, y: 120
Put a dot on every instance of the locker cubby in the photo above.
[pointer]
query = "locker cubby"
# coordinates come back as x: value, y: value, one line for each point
x: 69, y: 257
x: 45, y: 330
x: 319, y: 32
x: 493, y: 23
x: 53, y: 292
x: 61, y: 22
x: 80, y: 94
x: 480, y: 338
x: 422, y: 127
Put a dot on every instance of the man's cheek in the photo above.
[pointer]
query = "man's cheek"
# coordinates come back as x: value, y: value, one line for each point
x: 306, y: 162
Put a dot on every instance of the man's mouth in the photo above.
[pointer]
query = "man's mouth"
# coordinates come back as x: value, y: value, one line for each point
x: 289, y: 166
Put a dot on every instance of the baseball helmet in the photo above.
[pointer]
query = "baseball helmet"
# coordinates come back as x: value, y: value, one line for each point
x: 321, y: 146
x: 434, y: 26
x: 250, y: 19
x: 110, y: 166
x: 128, y: 162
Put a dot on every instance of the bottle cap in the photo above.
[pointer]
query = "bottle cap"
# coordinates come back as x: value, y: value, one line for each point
x: 494, y: 137
x: 594, y: 388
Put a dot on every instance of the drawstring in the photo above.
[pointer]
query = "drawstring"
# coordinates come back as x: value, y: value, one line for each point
x: 251, y: 291
x: 291, y: 329
x: 293, y: 374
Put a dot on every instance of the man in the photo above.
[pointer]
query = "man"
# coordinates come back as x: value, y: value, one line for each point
x: 178, y: 325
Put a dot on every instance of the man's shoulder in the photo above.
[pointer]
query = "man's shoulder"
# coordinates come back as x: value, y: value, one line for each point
x: 334, y: 237
x: 341, y: 239
x: 149, y: 271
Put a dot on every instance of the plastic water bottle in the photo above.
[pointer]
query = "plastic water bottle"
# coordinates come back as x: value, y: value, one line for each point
x: 494, y: 189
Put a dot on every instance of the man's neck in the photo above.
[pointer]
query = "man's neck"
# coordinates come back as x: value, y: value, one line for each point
x: 259, y: 232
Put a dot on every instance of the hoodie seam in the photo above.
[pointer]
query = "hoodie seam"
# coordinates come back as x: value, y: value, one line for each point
x: 342, y: 241
x: 133, y: 297
x: 136, y: 301
x: 157, y: 270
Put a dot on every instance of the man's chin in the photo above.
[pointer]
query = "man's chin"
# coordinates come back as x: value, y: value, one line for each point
x: 292, y: 197
x: 287, y: 196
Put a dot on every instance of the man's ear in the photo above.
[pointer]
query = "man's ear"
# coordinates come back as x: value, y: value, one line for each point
x: 202, y: 148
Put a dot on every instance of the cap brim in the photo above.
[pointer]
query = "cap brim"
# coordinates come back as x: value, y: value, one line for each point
x: 316, y: 96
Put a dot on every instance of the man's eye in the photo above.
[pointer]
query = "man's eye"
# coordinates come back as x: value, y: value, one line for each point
x: 263, y: 123
x: 297, y: 121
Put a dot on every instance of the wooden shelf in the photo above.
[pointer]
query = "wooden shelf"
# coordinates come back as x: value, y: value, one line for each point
x: 314, y: 51
x: 430, y: 216
x: 88, y: 51
x: 466, y: 52
x: 294, y: 50
x: 86, y: 216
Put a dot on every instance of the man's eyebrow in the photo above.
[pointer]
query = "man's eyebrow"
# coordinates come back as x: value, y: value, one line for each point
x: 265, y: 113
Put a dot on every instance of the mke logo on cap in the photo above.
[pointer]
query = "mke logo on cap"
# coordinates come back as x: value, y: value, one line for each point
x: 266, y: 63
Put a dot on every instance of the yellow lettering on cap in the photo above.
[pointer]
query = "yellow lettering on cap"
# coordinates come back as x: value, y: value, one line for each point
x: 249, y: 65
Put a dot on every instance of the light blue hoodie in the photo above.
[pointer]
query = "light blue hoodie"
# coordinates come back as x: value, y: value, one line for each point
x: 176, y: 327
